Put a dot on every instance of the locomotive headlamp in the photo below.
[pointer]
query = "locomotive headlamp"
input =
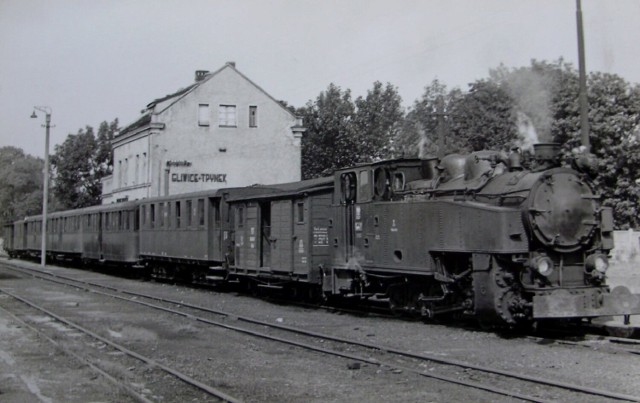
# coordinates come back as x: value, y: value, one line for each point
x: 597, y: 262
x: 543, y: 265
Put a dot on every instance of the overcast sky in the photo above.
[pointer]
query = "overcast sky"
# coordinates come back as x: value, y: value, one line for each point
x: 96, y: 60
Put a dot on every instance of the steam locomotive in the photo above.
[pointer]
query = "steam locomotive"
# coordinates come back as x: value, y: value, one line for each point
x: 464, y: 235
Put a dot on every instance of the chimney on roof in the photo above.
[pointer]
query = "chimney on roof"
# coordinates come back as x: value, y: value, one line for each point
x: 232, y: 64
x: 201, y: 74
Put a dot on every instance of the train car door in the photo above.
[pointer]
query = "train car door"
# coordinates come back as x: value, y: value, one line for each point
x: 282, y: 236
x: 100, y: 230
x: 215, y: 231
x: 349, y: 187
x: 265, y: 234
x: 246, y: 236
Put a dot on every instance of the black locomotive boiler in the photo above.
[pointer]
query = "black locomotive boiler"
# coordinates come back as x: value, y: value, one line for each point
x: 476, y: 234
x: 473, y: 235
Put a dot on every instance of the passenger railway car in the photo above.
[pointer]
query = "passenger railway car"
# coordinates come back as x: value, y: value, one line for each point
x: 473, y: 235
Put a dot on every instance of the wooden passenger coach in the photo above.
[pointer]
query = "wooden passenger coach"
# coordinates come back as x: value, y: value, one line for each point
x: 282, y: 236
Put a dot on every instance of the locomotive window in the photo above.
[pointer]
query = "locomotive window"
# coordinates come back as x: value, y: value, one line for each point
x: 398, y: 182
x: 381, y: 183
x: 348, y: 185
x: 364, y: 190
x: 201, y: 212
x: 301, y: 212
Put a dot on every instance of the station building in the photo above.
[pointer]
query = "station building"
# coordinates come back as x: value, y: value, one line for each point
x: 221, y: 131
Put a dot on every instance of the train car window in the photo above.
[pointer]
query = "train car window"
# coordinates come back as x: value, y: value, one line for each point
x: 161, y: 214
x: 177, y: 214
x: 300, y: 212
x: 169, y: 214
x: 240, y: 216
x: 364, y: 190
x: 201, y: 212
x: 152, y: 215
x: 143, y: 214
x: 216, y: 212
x: 189, y: 211
x: 126, y: 221
x: 136, y: 221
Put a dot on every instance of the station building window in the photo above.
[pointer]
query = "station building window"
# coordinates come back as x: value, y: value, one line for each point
x: 253, y: 116
x: 227, y: 116
x: 203, y: 114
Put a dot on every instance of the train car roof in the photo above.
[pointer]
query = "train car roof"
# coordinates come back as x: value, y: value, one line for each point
x: 86, y: 210
x: 288, y: 189
x: 394, y: 161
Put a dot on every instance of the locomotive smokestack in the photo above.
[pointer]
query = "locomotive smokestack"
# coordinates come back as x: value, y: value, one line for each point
x: 547, y: 154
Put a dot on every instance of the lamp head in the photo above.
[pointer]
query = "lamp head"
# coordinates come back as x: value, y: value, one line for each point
x: 33, y: 115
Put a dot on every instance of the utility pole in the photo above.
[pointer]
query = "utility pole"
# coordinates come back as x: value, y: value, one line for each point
x: 441, y: 129
x: 45, y: 174
x: 584, y: 105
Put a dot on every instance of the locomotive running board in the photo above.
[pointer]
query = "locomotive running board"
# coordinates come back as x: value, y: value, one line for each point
x: 563, y: 304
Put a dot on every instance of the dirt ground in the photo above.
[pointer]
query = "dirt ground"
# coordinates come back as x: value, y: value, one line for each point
x: 32, y: 370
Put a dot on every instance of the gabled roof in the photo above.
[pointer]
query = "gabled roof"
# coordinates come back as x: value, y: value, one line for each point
x: 142, y: 121
x: 178, y: 95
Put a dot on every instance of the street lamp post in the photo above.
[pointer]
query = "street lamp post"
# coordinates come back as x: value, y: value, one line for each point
x: 45, y: 191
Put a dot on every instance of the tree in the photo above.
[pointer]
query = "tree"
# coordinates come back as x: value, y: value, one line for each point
x: 418, y: 135
x: 104, y: 154
x: 329, y: 141
x: 614, y: 118
x: 377, y: 121
x: 80, y: 163
x: 20, y: 184
x: 484, y: 118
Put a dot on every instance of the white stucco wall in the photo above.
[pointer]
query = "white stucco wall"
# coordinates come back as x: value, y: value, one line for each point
x: 185, y: 156
x: 245, y: 155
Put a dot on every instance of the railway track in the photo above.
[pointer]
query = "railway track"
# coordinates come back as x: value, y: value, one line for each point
x: 106, y: 347
x: 493, y: 380
x: 601, y: 343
